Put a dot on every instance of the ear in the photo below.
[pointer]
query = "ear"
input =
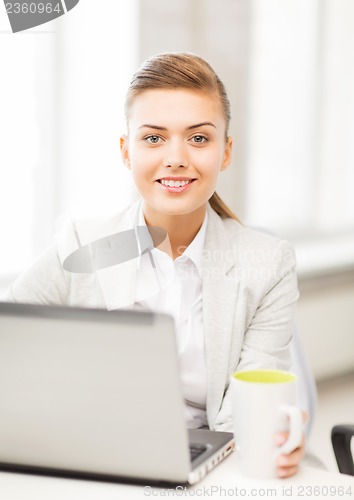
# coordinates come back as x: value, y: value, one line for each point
x: 124, y: 150
x: 227, y: 154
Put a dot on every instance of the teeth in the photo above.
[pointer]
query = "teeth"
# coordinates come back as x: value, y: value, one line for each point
x: 174, y: 183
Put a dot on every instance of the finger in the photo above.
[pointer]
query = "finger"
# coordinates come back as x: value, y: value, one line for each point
x: 305, y: 416
x: 288, y: 471
x: 291, y: 460
x: 281, y: 437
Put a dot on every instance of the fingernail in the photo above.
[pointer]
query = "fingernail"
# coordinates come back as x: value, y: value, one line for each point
x: 282, y: 460
x: 281, y: 473
x: 279, y: 439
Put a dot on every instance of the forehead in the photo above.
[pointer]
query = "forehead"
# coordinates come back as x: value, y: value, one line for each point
x: 162, y: 106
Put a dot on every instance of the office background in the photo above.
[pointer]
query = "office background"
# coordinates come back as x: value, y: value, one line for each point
x: 288, y: 67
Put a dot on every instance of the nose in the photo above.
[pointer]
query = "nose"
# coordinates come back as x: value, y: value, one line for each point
x: 175, y: 155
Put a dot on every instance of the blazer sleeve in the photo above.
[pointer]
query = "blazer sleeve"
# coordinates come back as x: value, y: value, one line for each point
x: 267, y: 337
x: 47, y: 282
x: 44, y: 282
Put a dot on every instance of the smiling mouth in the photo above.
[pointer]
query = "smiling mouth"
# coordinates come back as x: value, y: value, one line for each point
x: 175, y: 183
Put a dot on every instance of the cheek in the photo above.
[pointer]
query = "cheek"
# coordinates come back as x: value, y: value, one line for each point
x: 141, y: 182
x: 143, y: 159
x: 143, y: 169
x: 210, y: 162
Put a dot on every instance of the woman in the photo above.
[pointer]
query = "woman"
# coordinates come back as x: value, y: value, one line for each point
x: 232, y: 291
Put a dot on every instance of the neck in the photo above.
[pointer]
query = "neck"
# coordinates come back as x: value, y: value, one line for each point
x: 181, y: 229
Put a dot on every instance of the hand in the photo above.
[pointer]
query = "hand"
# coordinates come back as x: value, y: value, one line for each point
x: 288, y: 465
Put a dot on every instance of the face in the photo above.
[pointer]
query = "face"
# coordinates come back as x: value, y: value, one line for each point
x: 176, y: 148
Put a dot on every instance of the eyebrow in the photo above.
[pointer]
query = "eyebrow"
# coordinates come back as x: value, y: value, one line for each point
x: 201, y: 124
x: 191, y: 127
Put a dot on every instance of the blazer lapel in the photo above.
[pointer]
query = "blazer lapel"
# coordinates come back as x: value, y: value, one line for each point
x: 117, y: 282
x: 219, y: 297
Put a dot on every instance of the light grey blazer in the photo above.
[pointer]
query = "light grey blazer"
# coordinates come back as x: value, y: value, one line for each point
x: 249, y: 295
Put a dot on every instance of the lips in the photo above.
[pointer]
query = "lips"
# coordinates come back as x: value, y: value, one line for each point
x: 176, y: 182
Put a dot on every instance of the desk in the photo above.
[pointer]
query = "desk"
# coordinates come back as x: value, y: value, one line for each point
x: 223, y: 482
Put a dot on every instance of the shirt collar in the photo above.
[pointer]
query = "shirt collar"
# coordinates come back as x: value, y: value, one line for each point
x: 194, y: 251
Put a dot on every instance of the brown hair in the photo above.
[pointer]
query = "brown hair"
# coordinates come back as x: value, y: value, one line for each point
x: 187, y: 71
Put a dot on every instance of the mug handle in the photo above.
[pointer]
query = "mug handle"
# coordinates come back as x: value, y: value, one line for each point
x: 295, y: 429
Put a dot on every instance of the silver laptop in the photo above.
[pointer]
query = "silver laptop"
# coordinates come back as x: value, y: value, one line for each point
x: 96, y: 394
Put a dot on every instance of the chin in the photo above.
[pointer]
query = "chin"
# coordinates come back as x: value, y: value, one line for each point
x: 181, y: 210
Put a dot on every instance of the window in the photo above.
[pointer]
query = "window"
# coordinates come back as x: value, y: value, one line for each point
x: 301, y: 147
x: 300, y: 168
x: 26, y: 128
x: 61, y: 95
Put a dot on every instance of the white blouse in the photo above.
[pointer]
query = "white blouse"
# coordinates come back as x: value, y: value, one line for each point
x: 175, y: 288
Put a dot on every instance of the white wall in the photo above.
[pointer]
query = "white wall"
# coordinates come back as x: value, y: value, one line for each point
x: 326, y: 324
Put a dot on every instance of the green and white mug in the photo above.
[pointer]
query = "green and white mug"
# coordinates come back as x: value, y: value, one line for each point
x: 264, y: 402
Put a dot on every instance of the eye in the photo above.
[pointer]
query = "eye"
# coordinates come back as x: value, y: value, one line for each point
x: 152, y: 139
x: 199, y: 139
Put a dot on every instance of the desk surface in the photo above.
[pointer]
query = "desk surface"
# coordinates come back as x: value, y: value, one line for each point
x: 223, y: 482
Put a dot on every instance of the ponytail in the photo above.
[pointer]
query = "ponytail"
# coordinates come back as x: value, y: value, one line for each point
x: 221, y: 208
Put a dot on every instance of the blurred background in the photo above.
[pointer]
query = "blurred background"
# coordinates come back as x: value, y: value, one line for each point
x: 288, y: 67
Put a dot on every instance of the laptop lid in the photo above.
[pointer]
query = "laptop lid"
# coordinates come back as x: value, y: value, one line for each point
x: 91, y: 391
